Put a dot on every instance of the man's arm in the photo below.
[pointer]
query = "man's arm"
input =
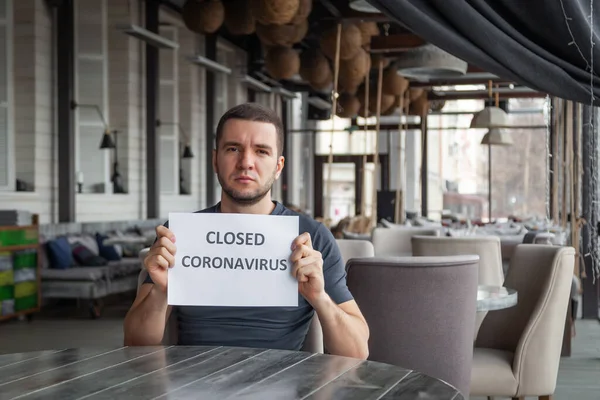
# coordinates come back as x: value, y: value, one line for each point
x: 145, y: 321
x: 345, y: 330
x: 321, y: 279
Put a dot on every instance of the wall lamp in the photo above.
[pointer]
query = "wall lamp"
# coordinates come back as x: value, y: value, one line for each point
x: 147, y: 36
x: 210, y: 64
x: 107, y: 143
x: 187, y: 150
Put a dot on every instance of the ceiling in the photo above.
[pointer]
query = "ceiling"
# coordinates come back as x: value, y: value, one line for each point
x: 393, y: 41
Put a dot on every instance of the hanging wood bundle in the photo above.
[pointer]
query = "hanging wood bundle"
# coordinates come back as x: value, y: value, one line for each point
x: 375, y: 57
x: 348, y: 106
x: 367, y: 29
x: 282, y: 62
x: 203, y: 16
x: 326, y: 84
x: 353, y: 71
x: 239, y: 19
x: 360, y: 95
x: 281, y: 35
x: 314, y: 68
x: 350, y: 41
x: 275, y: 12
x: 414, y: 93
x: 304, y: 10
x: 301, y: 29
x: 419, y: 106
x: 436, y: 105
x: 387, y: 100
x: 393, y: 83
x: 391, y: 109
x: 275, y: 35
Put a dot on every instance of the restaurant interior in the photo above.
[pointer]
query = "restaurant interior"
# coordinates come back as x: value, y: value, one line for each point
x: 450, y: 147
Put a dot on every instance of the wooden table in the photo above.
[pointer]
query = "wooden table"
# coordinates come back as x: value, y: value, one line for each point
x: 180, y: 372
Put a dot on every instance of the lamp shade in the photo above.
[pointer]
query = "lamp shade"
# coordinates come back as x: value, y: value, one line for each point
x: 429, y: 62
x: 187, y: 152
x: 107, y: 142
x: 363, y: 6
x: 490, y: 117
x: 497, y: 137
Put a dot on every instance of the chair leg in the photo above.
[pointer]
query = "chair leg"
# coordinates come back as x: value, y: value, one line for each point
x: 518, y: 398
x: 548, y: 397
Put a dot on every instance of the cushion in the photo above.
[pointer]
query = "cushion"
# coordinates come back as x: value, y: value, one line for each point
x: 109, y: 252
x: 76, y: 274
x: 59, y: 253
x: 86, y: 240
x: 84, y: 256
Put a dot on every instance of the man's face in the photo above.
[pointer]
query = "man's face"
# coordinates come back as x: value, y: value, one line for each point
x: 246, y: 160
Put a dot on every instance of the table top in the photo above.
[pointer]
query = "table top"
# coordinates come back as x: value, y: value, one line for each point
x: 491, y: 298
x: 180, y: 372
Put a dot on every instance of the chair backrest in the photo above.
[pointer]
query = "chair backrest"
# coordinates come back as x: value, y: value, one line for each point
x: 486, y: 247
x: 314, y: 337
x: 396, y: 242
x: 420, y: 312
x: 351, y: 248
x: 534, y: 328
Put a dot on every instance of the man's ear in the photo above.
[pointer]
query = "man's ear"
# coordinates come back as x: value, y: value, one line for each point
x: 214, y: 160
x: 280, y: 165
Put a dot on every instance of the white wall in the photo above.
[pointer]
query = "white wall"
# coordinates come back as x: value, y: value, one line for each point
x: 35, y: 110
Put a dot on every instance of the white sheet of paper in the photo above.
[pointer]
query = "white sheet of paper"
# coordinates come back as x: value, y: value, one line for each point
x: 210, y: 272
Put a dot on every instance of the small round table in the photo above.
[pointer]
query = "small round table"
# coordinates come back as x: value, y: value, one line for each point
x: 491, y: 298
x: 202, y: 372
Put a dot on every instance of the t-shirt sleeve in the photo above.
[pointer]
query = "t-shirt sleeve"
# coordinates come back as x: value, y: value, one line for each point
x: 334, y: 269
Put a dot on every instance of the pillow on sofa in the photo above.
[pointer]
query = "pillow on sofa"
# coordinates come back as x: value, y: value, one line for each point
x: 87, y: 240
x: 59, y: 253
x: 108, y: 252
x: 85, y: 257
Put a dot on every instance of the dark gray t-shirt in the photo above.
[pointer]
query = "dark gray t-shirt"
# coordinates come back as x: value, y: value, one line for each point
x: 265, y: 327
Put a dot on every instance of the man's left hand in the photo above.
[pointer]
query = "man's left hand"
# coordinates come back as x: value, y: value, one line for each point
x: 307, y: 268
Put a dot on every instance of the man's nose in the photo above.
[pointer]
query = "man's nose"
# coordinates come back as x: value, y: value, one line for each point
x: 246, y: 160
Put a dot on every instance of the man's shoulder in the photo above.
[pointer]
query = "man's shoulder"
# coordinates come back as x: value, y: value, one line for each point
x: 211, y: 209
x: 317, y: 231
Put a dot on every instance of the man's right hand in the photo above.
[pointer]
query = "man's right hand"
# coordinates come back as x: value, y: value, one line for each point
x: 161, y: 257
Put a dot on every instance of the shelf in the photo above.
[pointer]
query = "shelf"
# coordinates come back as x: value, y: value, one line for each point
x: 19, y: 247
x: 18, y: 228
x: 19, y: 313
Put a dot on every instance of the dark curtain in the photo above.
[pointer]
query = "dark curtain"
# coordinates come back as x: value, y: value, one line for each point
x: 541, y: 44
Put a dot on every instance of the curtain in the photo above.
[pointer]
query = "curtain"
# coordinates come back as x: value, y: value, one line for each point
x: 541, y: 44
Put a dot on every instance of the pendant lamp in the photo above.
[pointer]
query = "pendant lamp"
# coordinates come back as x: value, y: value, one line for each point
x: 430, y: 62
x: 490, y: 117
x: 497, y: 137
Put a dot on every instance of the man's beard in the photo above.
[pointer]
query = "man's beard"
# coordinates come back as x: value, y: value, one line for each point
x: 250, y: 198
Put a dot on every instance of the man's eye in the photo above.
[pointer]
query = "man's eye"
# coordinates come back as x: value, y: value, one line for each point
x: 263, y: 152
x: 231, y: 149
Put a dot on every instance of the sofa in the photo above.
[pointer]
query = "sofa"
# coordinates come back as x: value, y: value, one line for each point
x: 78, y: 264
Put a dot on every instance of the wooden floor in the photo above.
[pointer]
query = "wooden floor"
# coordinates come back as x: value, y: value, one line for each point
x: 578, y: 378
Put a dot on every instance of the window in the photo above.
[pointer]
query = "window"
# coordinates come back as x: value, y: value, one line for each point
x: 91, y: 92
x: 7, y: 170
x: 169, y: 116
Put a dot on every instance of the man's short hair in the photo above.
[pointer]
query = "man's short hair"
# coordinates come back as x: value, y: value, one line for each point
x: 252, y: 112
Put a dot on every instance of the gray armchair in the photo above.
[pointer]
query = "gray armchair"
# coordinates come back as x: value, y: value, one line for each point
x: 420, y: 311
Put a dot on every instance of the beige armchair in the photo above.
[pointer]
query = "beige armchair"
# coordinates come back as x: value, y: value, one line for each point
x: 517, y: 351
x: 486, y: 247
x: 314, y: 337
x: 396, y: 242
x: 351, y: 248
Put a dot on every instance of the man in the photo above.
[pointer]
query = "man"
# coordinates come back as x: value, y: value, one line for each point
x: 247, y: 160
